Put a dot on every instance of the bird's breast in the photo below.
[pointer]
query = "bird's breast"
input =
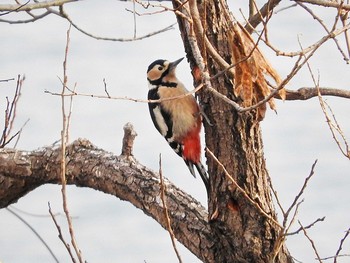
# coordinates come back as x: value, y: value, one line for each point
x: 184, y: 111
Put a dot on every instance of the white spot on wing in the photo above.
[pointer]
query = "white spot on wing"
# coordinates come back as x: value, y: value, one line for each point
x: 150, y: 86
x: 160, y: 121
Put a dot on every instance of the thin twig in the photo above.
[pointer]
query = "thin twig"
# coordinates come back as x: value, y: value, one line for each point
x: 295, y: 205
x: 306, y: 227
x: 72, y: 93
x: 34, y: 231
x: 275, y: 195
x: 311, y: 242
x: 63, y: 14
x: 60, y: 236
x: 335, y: 128
x: 106, y: 91
x: 337, y: 254
x: 241, y: 190
x: 333, y: 125
x: 32, y: 6
x: 134, y: 16
x: 6, y: 80
x: 20, y: 211
x: 334, y: 4
x: 64, y: 138
x: 296, y: 199
x: 334, y: 257
x: 164, y: 9
x: 10, y: 114
x: 166, y: 212
x: 18, y: 134
x: 319, y: 20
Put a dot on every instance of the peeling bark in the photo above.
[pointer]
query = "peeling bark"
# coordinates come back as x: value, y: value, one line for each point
x: 240, y: 204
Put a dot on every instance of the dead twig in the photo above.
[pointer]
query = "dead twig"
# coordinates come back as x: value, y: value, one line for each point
x: 73, y: 93
x: 306, y: 227
x: 297, y: 197
x: 241, y: 190
x: 32, y: 6
x: 337, y: 254
x: 60, y: 236
x: 286, y: 224
x: 106, y: 91
x: 64, y: 140
x: 35, y: 233
x: 334, y: 4
x: 10, y: 114
x: 320, y: 21
x: 334, y: 127
x: 311, y: 242
x: 166, y: 212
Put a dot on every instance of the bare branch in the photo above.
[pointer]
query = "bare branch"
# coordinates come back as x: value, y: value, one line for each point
x: 166, y: 211
x: 6, y: 80
x: 33, y: 19
x: 337, y: 254
x: 73, y: 93
x: 334, y: 257
x: 258, y: 17
x: 324, y: 3
x: 242, y: 191
x: 105, y: 85
x: 306, y: 93
x: 34, y: 231
x: 122, y: 177
x: 10, y: 115
x: 312, y: 47
x: 286, y: 222
x: 306, y: 227
x: 311, y: 242
x: 32, y: 6
x: 11, y: 11
x: 64, y: 141
x: 335, y: 128
x: 60, y: 236
x: 296, y: 199
x: 63, y: 14
x: 326, y: 29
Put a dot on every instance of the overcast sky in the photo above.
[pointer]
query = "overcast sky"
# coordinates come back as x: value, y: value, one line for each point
x: 109, y: 230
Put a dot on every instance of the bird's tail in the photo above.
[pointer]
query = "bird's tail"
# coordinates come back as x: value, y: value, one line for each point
x: 201, y: 170
x: 204, y: 175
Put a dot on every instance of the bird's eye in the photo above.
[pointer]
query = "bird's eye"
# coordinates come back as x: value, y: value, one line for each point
x: 160, y: 68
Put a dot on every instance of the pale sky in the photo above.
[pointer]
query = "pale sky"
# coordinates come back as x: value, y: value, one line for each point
x: 109, y: 230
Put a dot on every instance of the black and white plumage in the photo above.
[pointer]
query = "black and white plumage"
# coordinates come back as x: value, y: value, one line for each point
x: 177, y: 120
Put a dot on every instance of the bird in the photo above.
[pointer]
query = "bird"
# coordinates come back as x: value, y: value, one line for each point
x: 177, y: 120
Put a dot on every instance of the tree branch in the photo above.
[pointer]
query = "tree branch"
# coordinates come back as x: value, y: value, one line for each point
x: 121, y: 176
x: 37, y: 5
x: 258, y: 17
x: 324, y: 3
x: 306, y: 93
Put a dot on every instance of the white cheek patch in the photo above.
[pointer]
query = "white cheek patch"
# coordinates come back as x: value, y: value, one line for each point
x: 163, y: 128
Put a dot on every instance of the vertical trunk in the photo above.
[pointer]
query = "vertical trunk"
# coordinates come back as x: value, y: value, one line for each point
x: 241, y: 211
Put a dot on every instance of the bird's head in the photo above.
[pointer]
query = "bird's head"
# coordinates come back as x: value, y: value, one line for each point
x: 162, y: 71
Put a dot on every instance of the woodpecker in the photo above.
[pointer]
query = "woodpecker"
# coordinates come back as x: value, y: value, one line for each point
x: 177, y: 120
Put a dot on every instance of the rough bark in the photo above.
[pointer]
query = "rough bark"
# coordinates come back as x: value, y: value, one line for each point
x: 242, y: 225
x: 122, y: 176
x: 241, y: 210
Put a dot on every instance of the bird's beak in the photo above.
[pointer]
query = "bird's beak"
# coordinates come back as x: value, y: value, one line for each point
x: 173, y: 65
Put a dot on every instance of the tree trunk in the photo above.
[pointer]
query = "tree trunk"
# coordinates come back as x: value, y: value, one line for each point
x: 241, y: 211
x: 241, y: 225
